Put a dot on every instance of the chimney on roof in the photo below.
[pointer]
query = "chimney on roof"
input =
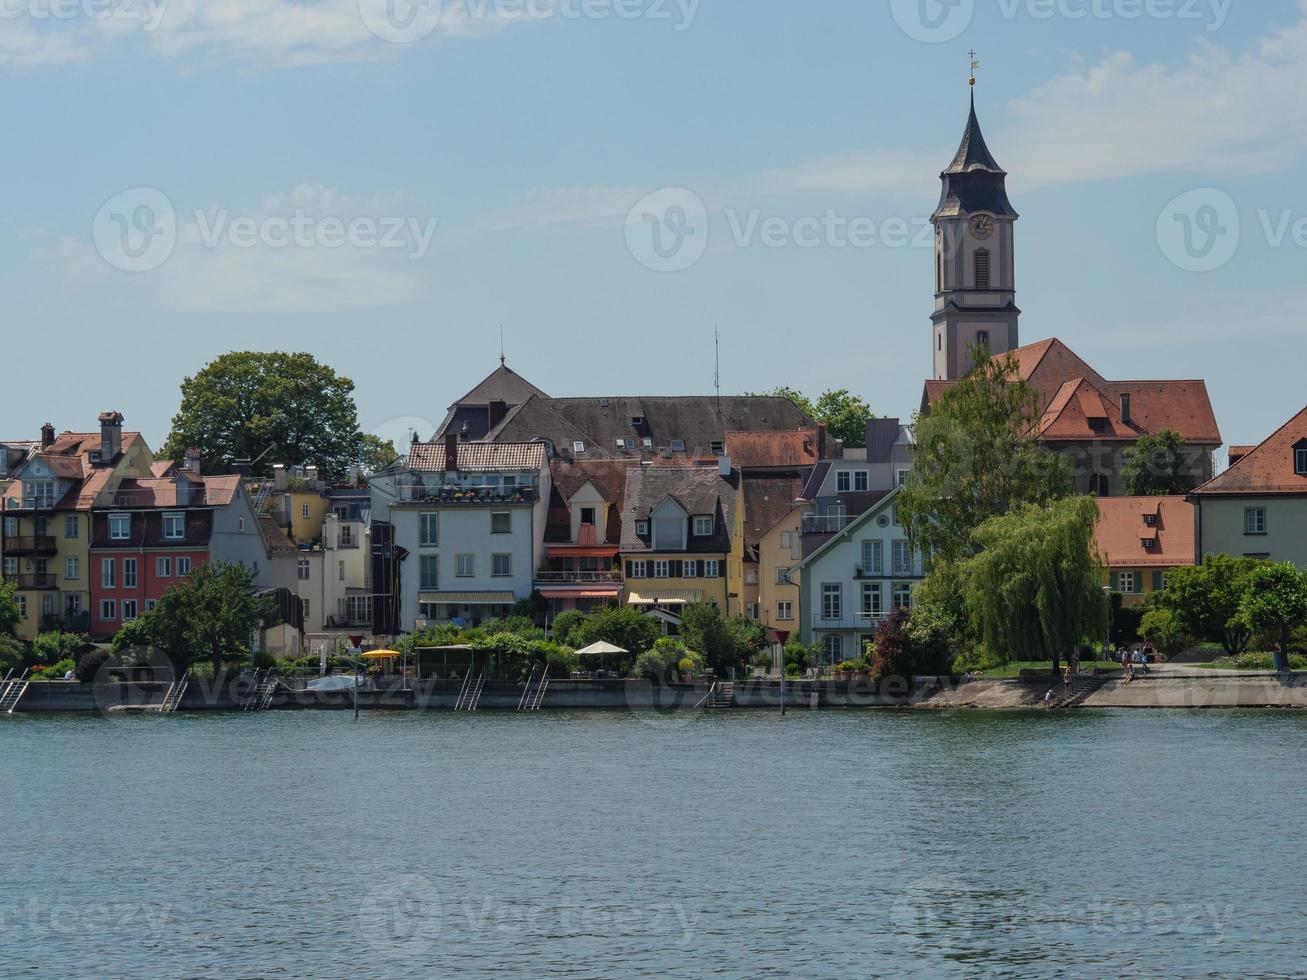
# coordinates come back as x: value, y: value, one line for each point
x: 882, y: 434
x: 47, y: 435
x: 192, y: 462
x: 723, y: 466
x: 241, y: 467
x: 451, y: 453
x: 1125, y: 408
x: 311, y: 475
x: 498, y: 410
x: 111, y: 435
x: 279, y: 476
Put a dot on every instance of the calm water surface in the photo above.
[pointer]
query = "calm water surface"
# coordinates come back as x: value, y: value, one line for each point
x: 724, y: 845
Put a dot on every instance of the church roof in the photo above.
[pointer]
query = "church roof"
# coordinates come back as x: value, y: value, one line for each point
x: 974, y: 182
x: 1071, y: 392
x: 974, y: 154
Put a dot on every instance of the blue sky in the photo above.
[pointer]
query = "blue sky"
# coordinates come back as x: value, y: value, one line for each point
x: 528, y: 131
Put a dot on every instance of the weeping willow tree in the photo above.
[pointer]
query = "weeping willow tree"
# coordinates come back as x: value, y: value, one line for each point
x: 1036, y: 586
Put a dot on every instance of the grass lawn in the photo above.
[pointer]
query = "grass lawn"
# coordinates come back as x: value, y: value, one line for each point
x: 1013, y: 670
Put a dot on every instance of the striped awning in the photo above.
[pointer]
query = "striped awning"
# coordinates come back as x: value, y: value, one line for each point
x: 469, y: 598
x: 668, y: 597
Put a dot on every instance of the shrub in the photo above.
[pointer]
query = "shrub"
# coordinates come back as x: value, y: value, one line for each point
x: 55, y: 672
x: 904, y: 649
x: 89, y: 664
x: 566, y: 624
x: 1163, y: 629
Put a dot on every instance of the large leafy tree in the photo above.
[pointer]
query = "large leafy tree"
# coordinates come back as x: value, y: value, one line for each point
x: 272, y: 408
x: 1036, y: 585
x: 1207, y: 599
x: 1155, y: 466
x: 976, y: 459
x: 724, y: 643
x: 622, y: 626
x: 211, y: 616
x: 844, y: 414
x: 1275, y: 601
x: 9, y: 615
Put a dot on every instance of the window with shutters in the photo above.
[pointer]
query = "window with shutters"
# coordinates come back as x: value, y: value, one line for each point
x: 982, y: 268
x: 712, y: 569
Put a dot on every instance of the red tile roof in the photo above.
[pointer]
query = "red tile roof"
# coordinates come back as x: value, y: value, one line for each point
x: 1267, y: 469
x: 1155, y: 406
x: 773, y: 450
x: 1122, y: 531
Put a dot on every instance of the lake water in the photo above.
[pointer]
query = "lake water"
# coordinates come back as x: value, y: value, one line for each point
x: 725, y: 845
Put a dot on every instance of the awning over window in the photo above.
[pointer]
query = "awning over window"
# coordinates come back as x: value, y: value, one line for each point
x: 469, y: 598
x: 668, y: 597
x: 574, y: 592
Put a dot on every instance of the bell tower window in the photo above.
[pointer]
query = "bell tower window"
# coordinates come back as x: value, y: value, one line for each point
x: 982, y: 268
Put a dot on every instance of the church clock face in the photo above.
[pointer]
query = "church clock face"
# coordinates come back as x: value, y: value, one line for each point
x: 982, y: 226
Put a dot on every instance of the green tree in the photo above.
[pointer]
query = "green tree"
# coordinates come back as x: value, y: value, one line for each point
x: 9, y: 613
x: 1036, y: 584
x: 1275, y: 601
x: 726, y: 644
x: 1207, y: 598
x: 844, y: 414
x: 376, y: 454
x: 1155, y: 467
x: 212, y: 615
x: 1162, y: 628
x: 52, y: 648
x: 976, y: 459
x: 622, y: 626
x: 273, y: 408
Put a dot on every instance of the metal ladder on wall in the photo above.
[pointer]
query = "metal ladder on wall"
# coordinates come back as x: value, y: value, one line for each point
x: 261, y: 692
x: 176, y: 691
x: 532, y: 698
x: 13, y: 690
x: 469, y: 698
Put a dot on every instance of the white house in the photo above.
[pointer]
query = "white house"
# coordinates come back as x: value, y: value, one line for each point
x: 855, y: 579
x: 468, y: 524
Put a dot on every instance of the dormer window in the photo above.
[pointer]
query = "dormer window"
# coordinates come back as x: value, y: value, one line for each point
x: 1300, y: 460
x: 642, y: 529
x: 703, y: 527
x: 678, y: 445
x: 1147, y: 543
x: 1150, y: 520
x: 637, y: 421
x: 625, y: 443
x: 718, y: 448
x: 578, y: 446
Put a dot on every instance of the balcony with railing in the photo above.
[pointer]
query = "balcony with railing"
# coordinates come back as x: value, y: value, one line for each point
x: 466, y: 496
x: 30, y: 504
x: 347, y: 541
x: 825, y: 523
x: 29, y: 582
x: 573, y: 577
x: 29, y: 545
x: 892, y: 568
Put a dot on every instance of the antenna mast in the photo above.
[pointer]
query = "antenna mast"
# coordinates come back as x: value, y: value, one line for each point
x: 717, y: 366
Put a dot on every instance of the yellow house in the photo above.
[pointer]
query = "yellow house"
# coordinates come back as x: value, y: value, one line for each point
x: 779, y: 552
x: 769, y: 512
x: 1140, y: 539
x: 682, y: 538
x: 47, y: 520
x: 306, y: 509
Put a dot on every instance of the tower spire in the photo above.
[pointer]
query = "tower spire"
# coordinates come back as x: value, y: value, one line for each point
x: 502, y: 358
x: 974, y: 65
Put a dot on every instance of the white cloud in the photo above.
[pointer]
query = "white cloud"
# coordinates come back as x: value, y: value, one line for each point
x: 1219, y: 112
x: 212, y: 268
x: 880, y: 172
x: 568, y: 208
x: 251, y: 33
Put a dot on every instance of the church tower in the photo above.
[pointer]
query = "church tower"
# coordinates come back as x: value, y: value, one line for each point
x: 975, y: 277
